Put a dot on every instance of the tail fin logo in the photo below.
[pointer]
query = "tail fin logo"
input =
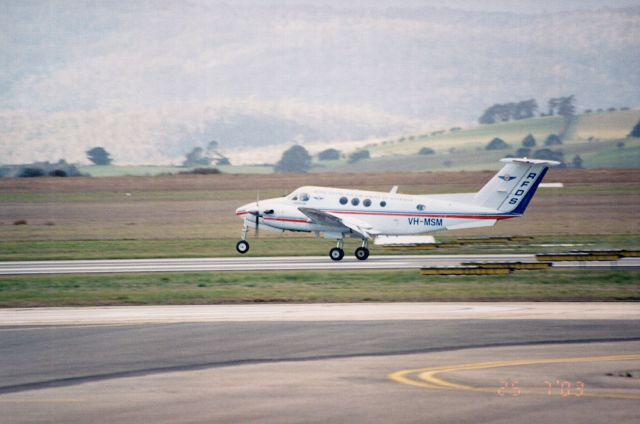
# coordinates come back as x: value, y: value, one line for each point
x: 506, y: 178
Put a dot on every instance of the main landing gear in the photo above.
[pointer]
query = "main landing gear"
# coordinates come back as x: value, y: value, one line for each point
x: 362, y: 253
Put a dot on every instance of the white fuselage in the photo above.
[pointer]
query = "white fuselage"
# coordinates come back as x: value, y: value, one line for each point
x: 384, y: 213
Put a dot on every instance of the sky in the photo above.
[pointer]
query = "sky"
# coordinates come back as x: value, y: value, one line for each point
x: 150, y: 80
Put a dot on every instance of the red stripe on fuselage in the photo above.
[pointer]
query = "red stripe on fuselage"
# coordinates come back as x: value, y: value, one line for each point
x: 424, y: 215
x: 302, y: 221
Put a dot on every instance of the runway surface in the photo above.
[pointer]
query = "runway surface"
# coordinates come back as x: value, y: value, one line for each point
x: 303, y: 366
x: 287, y: 263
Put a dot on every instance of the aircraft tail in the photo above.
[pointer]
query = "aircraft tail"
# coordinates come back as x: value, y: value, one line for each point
x: 512, y: 188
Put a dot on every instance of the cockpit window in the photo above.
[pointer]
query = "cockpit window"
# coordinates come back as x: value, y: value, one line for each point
x: 304, y: 197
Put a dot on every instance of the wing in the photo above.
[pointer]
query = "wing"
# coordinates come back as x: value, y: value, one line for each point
x: 360, y: 228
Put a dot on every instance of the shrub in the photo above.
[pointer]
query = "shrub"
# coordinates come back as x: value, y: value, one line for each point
x: 548, y: 154
x: 20, y: 222
x: 552, y: 140
x: 58, y: 173
x: 529, y: 141
x: 31, y: 172
x: 359, y: 155
x: 294, y: 159
x: 202, y: 171
x: 497, y: 144
x: 635, y: 132
x: 426, y: 151
x: 330, y: 154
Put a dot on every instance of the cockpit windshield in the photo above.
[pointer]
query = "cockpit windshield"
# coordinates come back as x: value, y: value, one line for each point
x: 298, y: 196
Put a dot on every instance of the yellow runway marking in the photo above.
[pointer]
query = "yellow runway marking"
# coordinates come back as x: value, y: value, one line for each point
x: 429, y: 377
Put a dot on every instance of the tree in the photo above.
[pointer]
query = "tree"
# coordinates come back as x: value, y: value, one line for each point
x: 635, y: 132
x: 294, y: 159
x: 525, y: 109
x: 196, y: 157
x: 508, y: 111
x: 577, y: 161
x: 497, y: 144
x: 359, y: 155
x: 552, y: 140
x: 426, y: 151
x: 529, y: 141
x: 329, y: 154
x: 566, y: 107
x: 523, y: 152
x: 98, y: 156
x: 214, y: 155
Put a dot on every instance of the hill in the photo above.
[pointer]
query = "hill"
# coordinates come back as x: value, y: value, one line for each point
x: 599, y: 138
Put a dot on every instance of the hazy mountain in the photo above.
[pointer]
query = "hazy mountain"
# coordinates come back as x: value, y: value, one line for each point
x: 150, y: 80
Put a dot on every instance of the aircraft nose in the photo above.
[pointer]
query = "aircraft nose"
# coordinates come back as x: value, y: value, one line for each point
x: 245, y: 209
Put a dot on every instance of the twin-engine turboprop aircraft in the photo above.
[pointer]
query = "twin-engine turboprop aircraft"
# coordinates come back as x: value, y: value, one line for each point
x: 338, y: 213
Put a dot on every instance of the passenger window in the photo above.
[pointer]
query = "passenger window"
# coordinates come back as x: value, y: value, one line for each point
x: 420, y: 207
x: 366, y: 202
x: 344, y: 200
x: 304, y: 197
x: 355, y: 201
x: 383, y: 204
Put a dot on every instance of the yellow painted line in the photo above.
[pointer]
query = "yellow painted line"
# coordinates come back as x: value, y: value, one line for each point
x: 429, y: 377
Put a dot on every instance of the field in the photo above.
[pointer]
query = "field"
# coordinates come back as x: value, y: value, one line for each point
x: 368, y: 286
x: 193, y: 216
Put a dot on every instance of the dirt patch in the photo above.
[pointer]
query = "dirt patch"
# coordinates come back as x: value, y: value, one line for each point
x: 602, y: 209
x: 292, y: 181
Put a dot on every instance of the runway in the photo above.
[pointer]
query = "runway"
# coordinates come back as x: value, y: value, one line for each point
x: 287, y: 263
x: 324, y: 364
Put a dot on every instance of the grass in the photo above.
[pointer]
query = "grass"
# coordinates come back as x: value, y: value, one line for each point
x: 286, y: 246
x: 625, y: 157
x: 367, y: 286
x: 593, y: 135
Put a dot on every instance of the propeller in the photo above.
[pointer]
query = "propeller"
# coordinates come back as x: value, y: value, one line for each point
x: 258, y: 216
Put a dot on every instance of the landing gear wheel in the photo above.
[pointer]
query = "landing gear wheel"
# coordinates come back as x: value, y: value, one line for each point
x: 362, y: 253
x: 242, y: 247
x: 336, y: 254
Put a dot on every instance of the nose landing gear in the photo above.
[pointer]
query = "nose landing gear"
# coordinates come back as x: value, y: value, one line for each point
x: 243, y: 245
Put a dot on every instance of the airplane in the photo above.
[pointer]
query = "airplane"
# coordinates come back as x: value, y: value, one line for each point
x: 338, y: 213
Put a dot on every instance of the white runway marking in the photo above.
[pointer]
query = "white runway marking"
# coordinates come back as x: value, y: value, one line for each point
x: 287, y: 263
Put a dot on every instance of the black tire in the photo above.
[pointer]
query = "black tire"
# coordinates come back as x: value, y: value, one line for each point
x: 336, y: 254
x: 242, y: 247
x: 362, y: 253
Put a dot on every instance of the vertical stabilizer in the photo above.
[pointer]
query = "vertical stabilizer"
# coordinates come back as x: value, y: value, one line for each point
x: 512, y: 188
